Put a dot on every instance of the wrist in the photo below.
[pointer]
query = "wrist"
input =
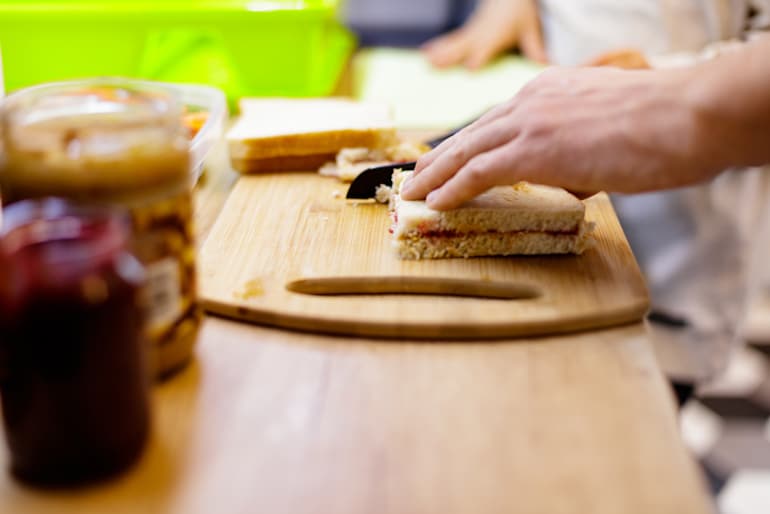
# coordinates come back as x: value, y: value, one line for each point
x: 700, y: 99
x: 731, y: 108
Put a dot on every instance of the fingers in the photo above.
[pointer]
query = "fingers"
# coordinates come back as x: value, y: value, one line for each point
x: 447, y: 50
x: 427, y: 159
x: 479, y: 174
x: 497, y: 112
x: 532, y: 45
x: 443, y: 167
x: 426, y: 181
x: 481, y: 53
x: 468, y: 46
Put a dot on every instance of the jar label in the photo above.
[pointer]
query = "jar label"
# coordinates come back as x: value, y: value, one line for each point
x: 163, y: 292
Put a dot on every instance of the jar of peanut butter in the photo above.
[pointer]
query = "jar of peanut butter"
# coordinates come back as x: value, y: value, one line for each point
x: 116, y: 143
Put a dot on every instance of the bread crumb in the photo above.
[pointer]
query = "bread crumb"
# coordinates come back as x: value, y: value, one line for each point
x: 329, y: 169
x: 383, y: 194
x: 250, y: 289
x: 336, y: 194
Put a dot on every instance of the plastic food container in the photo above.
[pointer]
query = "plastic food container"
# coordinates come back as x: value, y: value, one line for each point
x: 244, y: 47
x: 211, y: 101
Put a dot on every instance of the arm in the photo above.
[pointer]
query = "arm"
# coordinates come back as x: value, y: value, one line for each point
x: 732, y: 98
x: 495, y: 26
x: 592, y: 129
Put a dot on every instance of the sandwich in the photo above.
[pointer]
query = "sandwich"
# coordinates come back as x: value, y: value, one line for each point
x: 524, y: 219
x: 303, y: 134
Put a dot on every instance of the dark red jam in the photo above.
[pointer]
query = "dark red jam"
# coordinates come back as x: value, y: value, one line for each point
x: 73, y: 367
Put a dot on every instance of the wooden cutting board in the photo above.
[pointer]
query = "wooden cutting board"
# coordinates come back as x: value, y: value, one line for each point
x: 288, y: 250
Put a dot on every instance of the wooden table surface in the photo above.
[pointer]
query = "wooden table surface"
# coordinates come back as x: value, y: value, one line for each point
x: 272, y: 421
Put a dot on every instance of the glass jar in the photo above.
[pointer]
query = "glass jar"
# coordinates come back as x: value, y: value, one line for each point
x: 74, y: 378
x: 119, y: 143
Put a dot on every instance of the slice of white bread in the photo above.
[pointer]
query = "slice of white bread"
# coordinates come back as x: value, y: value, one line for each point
x: 525, y: 219
x: 288, y: 127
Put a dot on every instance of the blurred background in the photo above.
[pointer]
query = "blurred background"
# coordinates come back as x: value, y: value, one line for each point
x: 404, y: 23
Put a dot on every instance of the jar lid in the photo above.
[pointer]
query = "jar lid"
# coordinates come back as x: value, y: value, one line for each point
x: 88, y: 138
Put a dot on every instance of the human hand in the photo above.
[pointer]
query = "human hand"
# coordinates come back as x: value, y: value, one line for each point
x: 494, y: 27
x: 585, y: 129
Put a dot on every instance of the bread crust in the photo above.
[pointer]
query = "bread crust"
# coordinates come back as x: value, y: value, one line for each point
x: 277, y: 164
x: 416, y: 247
x: 292, y: 145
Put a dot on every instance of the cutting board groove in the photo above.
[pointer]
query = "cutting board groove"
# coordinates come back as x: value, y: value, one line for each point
x: 288, y: 250
x: 436, y: 286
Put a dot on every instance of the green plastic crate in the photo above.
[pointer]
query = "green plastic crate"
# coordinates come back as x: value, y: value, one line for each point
x: 245, y: 47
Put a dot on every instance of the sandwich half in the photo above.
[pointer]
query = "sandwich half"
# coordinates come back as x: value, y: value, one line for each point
x: 524, y: 219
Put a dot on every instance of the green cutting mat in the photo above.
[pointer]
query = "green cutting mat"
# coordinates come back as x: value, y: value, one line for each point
x: 426, y: 98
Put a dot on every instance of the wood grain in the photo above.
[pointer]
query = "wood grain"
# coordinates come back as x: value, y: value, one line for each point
x: 281, y: 422
x: 281, y: 235
x: 267, y: 420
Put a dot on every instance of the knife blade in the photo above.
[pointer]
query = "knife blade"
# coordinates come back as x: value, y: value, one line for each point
x: 365, y: 185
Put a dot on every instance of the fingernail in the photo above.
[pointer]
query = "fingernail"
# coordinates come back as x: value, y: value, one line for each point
x: 431, y: 198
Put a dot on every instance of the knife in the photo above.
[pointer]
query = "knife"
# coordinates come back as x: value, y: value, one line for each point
x: 365, y: 185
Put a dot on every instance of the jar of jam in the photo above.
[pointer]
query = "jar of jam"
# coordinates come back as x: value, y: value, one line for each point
x: 118, y: 143
x: 74, y: 377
